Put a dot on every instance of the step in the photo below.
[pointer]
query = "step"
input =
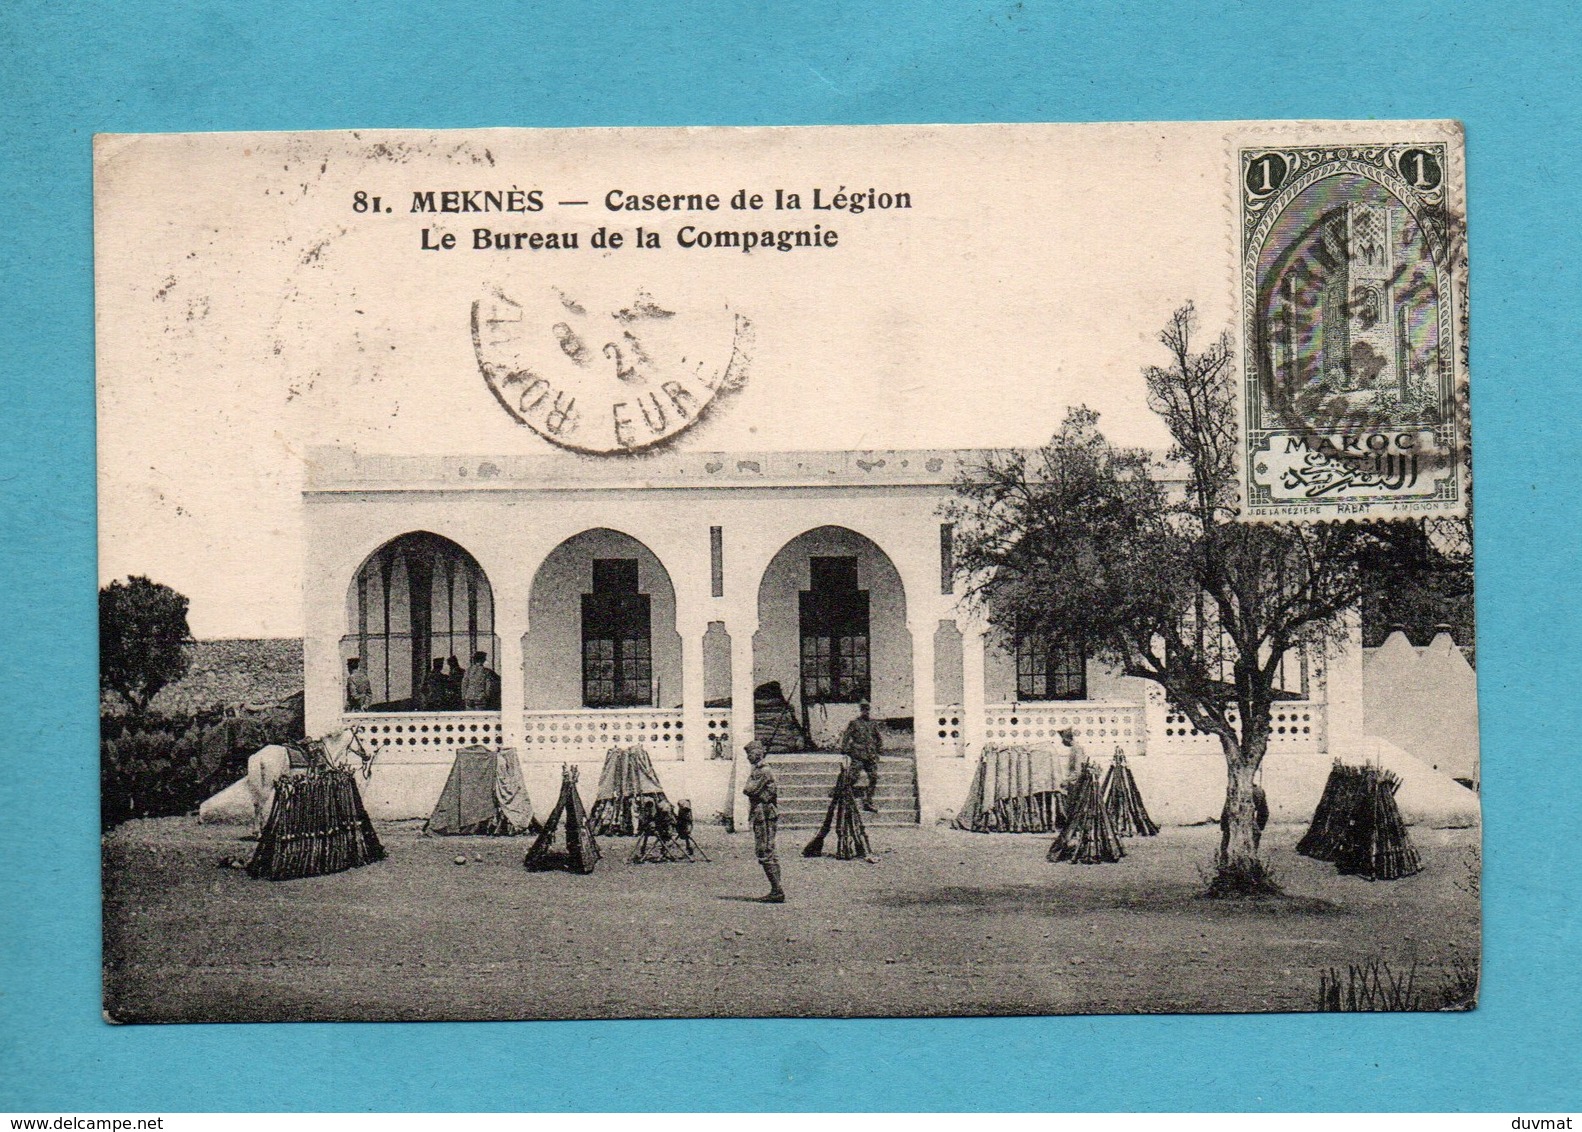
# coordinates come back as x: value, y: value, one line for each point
x: 869, y: 821
x: 806, y: 779
x: 819, y: 805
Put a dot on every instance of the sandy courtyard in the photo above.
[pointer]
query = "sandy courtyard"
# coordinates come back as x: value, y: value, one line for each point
x: 945, y: 923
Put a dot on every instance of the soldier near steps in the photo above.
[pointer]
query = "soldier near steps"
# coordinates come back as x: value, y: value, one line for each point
x: 763, y: 795
x: 863, y: 743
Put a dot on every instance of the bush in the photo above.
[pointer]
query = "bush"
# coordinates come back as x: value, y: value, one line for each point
x: 149, y: 773
x: 154, y: 765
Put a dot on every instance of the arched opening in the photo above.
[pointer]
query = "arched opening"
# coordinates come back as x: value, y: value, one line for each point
x: 601, y: 628
x: 418, y: 599
x: 832, y: 632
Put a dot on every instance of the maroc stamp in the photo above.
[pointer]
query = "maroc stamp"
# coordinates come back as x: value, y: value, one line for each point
x: 1352, y: 403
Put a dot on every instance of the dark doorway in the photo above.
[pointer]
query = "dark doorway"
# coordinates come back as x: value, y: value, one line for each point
x: 617, y: 638
x: 834, y: 631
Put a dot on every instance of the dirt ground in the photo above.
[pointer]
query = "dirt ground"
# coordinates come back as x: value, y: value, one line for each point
x: 945, y: 923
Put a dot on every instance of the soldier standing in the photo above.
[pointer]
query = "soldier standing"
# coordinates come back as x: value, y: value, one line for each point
x: 431, y: 695
x: 1075, y: 756
x: 764, y: 812
x: 863, y: 743
x: 477, y: 685
x: 359, y: 693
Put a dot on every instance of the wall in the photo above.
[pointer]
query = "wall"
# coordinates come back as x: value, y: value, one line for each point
x: 948, y: 671
x: 1424, y: 701
x: 716, y: 663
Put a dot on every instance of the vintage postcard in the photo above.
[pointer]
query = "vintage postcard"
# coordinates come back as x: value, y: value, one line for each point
x: 888, y: 571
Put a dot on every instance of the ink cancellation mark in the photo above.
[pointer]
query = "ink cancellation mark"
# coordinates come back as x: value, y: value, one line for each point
x: 1350, y: 400
x: 607, y: 375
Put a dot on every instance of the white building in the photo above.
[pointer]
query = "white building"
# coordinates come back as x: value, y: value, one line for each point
x: 645, y: 599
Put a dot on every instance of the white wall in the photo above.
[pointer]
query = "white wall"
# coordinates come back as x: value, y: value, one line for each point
x: 1425, y: 701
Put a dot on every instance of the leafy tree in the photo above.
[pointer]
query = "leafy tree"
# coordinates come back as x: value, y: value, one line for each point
x: 1143, y: 562
x: 142, y: 631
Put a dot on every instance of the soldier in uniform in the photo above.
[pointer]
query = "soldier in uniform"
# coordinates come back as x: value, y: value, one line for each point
x: 1074, y: 758
x: 863, y: 743
x: 453, y: 679
x: 477, y: 685
x: 359, y: 693
x: 764, y: 797
x: 435, y: 688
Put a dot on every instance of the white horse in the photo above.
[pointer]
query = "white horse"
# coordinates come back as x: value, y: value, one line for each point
x: 342, y: 750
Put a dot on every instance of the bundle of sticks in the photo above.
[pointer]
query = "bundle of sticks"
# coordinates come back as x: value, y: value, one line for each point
x: 572, y: 848
x: 1324, y: 836
x: 1379, y: 848
x: 318, y: 825
x: 1089, y: 837
x: 1358, y: 826
x: 1124, y: 802
x: 843, y: 816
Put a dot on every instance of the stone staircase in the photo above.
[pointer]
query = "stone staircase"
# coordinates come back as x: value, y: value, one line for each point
x: 805, y: 782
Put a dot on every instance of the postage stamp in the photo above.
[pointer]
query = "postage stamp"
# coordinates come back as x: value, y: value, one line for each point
x: 1352, y: 294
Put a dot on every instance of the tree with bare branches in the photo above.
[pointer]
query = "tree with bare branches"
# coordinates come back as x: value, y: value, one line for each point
x: 1142, y: 561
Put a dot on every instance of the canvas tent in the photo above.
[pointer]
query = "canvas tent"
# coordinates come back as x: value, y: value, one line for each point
x: 1014, y: 790
x: 627, y: 780
x: 483, y: 795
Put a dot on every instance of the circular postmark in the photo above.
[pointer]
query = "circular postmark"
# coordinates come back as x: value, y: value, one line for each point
x: 607, y: 373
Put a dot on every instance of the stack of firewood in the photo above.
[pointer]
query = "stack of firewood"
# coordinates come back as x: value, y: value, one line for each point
x: 1358, y: 826
x: 1124, y: 802
x: 1324, y: 836
x: 317, y: 825
x: 1089, y: 837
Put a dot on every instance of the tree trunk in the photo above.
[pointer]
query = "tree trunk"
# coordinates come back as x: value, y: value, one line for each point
x: 1240, y: 871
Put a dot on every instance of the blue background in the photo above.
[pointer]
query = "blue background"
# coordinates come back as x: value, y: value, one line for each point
x: 1510, y: 71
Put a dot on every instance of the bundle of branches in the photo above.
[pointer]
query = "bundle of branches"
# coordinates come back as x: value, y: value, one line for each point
x: 1013, y: 791
x: 317, y: 825
x: 1369, y: 986
x: 566, y: 841
x: 626, y: 783
x: 843, y: 816
x: 1325, y: 835
x: 1123, y: 802
x: 1377, y: 846
x: 1088, y: 837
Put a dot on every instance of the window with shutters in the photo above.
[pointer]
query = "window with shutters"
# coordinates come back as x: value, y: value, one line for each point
x: 1050, y: 669
x: 617, y: 638
x: 834, y: 632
